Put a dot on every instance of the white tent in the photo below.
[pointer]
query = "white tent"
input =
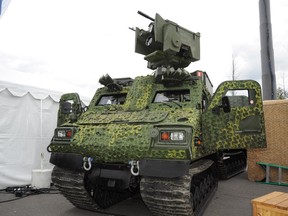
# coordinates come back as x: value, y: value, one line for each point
x: 28, y: 117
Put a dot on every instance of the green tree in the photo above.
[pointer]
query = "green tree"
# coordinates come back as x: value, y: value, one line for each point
x: 281, y: 93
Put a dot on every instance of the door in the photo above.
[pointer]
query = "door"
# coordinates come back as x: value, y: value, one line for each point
x: 234, y: 118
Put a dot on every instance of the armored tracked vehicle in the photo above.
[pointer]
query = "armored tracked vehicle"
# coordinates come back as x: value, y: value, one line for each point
x: 165, y: 134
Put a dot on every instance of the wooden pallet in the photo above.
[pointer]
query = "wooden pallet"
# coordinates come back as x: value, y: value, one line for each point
x: 275, y: 203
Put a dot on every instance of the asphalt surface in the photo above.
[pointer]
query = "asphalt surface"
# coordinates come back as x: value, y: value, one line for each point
x: 233, y: 197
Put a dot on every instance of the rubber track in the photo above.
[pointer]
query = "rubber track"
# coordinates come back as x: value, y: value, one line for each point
x: 71, y: 184
x: 173, y: 196
x: 231, y: 167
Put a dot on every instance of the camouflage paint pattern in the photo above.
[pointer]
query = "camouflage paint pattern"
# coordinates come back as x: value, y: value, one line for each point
x: 120, y: 133
x: 223, y: 130
x: 123, y: 133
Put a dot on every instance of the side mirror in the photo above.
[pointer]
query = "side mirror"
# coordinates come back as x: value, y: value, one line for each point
x: 226, y: 104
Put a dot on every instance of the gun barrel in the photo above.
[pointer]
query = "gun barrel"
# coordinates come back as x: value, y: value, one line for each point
x: 131, y: 28
x: 146, y: 16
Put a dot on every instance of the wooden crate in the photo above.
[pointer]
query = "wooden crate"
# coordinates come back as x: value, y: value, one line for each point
x: 275, y: 203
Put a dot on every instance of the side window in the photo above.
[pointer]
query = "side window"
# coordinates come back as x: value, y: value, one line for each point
x: 66, y: 106
x: 117, y: 99
x: 70, y: 108
x: 169, y: 96
x: 241, y: 97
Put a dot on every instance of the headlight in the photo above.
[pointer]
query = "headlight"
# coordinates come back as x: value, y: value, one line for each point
x: 175, y: 137
x: 63, y: 133
x: 172, y: 136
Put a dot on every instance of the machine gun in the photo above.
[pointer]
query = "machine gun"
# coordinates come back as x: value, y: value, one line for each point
x: 167, y: 44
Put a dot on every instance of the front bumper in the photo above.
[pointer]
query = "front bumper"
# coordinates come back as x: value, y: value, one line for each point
x: 147, y: 167
x: 164, y: 168
x: 67, y: 160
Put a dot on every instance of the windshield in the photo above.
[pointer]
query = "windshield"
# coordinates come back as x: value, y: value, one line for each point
x: 172, y: 96
x: 112, y: 99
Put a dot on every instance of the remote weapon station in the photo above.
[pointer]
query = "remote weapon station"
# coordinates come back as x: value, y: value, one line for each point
x: 165, y: 135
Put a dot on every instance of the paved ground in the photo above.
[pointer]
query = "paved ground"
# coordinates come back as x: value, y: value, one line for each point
x: 233, y: 197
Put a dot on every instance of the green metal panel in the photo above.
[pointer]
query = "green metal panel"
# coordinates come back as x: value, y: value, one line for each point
x: 243, y: 127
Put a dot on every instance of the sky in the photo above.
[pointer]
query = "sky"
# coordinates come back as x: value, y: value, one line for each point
x: 67, y: 45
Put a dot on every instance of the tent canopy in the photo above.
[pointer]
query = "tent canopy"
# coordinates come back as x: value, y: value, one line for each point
x: 27, y: 123
x: 18, y: 90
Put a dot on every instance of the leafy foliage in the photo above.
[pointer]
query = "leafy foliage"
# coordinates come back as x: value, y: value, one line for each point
x: 281, y: 93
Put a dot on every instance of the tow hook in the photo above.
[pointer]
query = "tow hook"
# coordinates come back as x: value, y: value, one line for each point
x: 134, y: 167
x: 87, y: 163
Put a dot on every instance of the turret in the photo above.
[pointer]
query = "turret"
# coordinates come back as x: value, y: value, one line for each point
x: 166, y: 44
